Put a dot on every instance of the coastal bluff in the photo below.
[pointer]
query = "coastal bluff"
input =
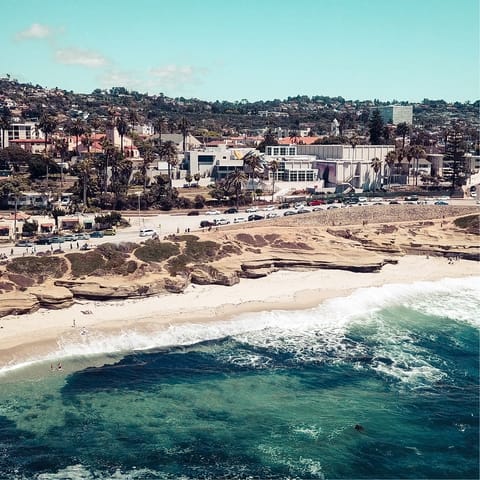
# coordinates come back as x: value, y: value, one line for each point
x: 355, y: 239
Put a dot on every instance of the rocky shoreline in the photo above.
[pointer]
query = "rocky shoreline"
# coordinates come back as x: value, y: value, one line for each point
x: 355, y: 240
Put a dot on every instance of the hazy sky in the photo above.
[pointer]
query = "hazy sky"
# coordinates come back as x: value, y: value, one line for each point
x: 253, y: 49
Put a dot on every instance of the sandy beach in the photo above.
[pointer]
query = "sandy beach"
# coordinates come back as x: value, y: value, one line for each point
x: 84, y: 328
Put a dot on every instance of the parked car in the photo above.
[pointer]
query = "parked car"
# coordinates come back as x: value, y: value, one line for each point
x: 57, y: 239
x: 86, y: 246
x: 206, y: 223
x: 251, y: 209
x: 315, y: 203
x: 394, y: 202
x: 272, y: 215
x: 411, y: 198
x: 282, y: 206
x: 221, y: 221
x: 24, y: 243
x: 193, y: 213
x: 43, y: 241
x: 289, y: 212
x: 82, y: 236
x: 147, y: 232
x: 441, y: 202
x: 239, y: 220
x: 212, y: 212
x: 269, y: 208
x: 69, y: 238
x: 109, y: 231
x: 97, y: 234
x: 231, y: 210
x: 254, y: 217
x: 303, y: 210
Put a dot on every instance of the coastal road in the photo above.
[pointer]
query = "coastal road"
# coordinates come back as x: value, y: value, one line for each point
x: 169, y: 223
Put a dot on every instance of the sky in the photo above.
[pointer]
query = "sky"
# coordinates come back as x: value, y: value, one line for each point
x: 247, y: 49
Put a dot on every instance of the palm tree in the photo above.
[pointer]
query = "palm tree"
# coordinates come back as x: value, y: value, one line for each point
x: 47, y: 124
x: 76, y: 128
x: 273, y: 167
x: 403, y: 130
x: 134, y: 119
x: 353, y: 144
x: 109, y: 152
x: 86, y: 140
x: 146, y: 150
x: 122, y: 128
x: 417, y: 152
x: 184, y: 126
x: 61, y: 146
x: 169, y: 153
x: 235, y: 181
x: 159, y: 126
x: 5, y: 123
x: 254, y: 166
x: 400, y: 157
x: 390, y: 159
x: 376, y: 165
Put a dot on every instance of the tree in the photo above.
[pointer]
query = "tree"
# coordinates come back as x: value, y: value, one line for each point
x: 76, y: 128
x: 184, y: 127
x: 417, y: 152
x: 159, y: 126
x: 235, y: 181
x: 108, y: 154
x: 47, y: 125
x: 390, y: 161
x: 146, y: 151
x: 253, y: 166
x: 273, y: 167
x: 455, y: 155
x: 376, y: 165
x: 5, y: 122
x: 122, y: 128
x: 403, y: 130
x: 169, y: 153
x: 269, y: 139
x: 375, y: 126
x: 196, y: 177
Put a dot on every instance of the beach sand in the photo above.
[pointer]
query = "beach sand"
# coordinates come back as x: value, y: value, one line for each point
x: 45, y: 333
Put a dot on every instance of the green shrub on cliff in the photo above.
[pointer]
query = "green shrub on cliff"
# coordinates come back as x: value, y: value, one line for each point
x: 37, y: 267
x: 85, y: 263
x: 154, y: 251
x: 471, y: 223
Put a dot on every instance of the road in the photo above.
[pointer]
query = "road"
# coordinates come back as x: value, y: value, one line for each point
x: 166, y: 224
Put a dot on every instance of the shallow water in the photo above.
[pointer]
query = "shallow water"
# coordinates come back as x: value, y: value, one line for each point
x: 269, y: 395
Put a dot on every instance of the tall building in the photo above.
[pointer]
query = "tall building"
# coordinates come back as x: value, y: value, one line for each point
x: 395, y: 114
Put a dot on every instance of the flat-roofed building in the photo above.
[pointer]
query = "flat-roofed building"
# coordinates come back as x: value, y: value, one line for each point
x: 395, y: 114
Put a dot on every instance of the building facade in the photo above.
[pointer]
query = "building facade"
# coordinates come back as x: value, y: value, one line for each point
x: 395, y: 114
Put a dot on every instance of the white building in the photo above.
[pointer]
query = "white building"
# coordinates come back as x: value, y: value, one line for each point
x: 216, y: 162
x: 21, y: 133
x: 395, y: 114
x: 337, y: 164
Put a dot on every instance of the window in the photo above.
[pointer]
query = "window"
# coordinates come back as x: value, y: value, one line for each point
x: 206, y: 159
x: 283, y: 151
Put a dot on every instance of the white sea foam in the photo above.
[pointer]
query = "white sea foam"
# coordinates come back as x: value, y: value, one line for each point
x: 317, y: 334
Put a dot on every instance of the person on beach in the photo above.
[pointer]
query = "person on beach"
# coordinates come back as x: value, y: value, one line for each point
x: 59, y: 366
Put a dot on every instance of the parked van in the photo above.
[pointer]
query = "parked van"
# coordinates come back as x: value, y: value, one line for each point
x: 147, y: 232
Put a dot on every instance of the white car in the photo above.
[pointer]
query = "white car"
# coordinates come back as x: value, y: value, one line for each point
x: 251, y: 209
x: 272, y: 215
x: 147, y: 232
x: 269, y: 208
x: 239, y: 220
x: 221, y: 221
x: 212, y: 212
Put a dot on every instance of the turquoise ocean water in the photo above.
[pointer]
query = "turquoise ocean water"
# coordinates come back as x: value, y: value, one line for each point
x: 271, y: 395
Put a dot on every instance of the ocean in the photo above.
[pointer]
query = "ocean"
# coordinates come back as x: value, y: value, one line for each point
x: 382, y: 384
